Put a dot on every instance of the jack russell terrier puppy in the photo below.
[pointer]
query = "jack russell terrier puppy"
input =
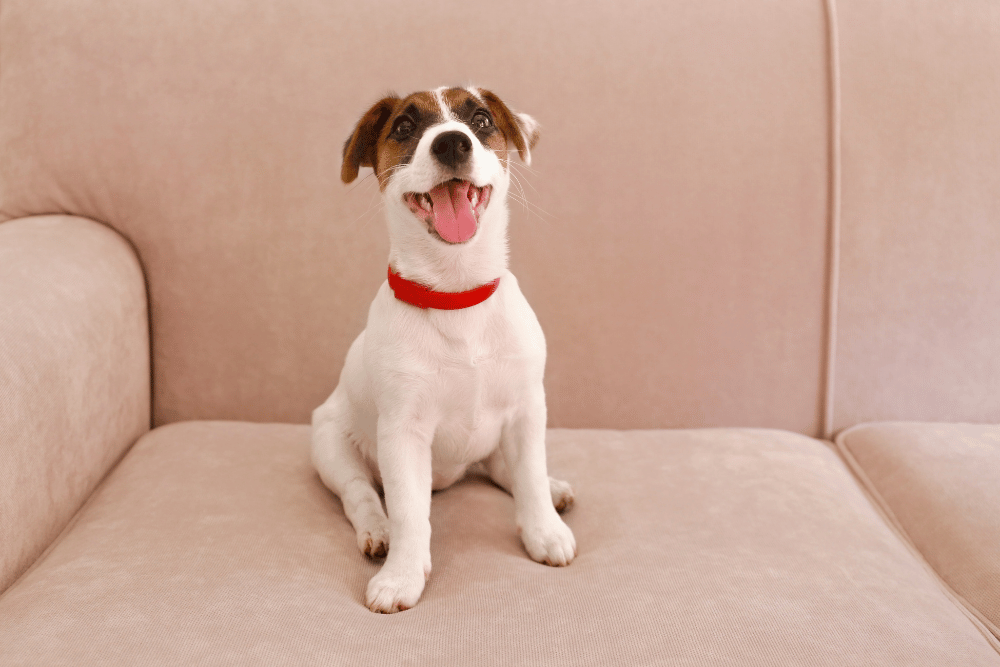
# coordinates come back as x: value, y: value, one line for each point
x: 448, y: 372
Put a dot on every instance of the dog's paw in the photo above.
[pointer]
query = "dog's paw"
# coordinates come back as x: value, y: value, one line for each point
x: 395, y: 589
x: 550, y: 542
x: 373, y: 536
x: 562, y: 494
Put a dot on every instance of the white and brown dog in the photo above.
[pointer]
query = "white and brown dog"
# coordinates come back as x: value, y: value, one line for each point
x: 448, y: 372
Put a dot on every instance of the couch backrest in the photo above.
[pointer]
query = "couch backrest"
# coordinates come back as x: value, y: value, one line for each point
x: 676, y: 243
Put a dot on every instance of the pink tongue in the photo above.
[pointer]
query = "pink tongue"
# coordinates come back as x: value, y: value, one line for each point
x: 453, y: 217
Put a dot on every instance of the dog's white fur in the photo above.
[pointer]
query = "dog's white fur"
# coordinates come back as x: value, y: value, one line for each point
x: 425, y: 394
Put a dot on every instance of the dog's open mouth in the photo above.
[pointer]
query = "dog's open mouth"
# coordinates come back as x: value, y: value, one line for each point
x: 451, y: 209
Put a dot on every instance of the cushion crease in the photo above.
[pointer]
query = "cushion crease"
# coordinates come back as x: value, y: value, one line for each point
x: 990, y: 631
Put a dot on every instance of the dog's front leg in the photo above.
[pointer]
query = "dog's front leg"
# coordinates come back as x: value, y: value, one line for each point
x: 546, y: 537
x: 404, y: 460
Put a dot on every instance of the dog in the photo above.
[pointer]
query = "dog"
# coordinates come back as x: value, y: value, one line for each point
x: 448, y: 372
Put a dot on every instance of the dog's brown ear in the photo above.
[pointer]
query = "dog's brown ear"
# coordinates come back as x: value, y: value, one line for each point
x: 520, y: 129
x: 360, y: 148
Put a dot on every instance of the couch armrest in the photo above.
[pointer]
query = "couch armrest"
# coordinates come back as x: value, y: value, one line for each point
x: 74, y: 373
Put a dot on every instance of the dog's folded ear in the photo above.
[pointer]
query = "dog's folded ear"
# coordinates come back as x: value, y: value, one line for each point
x: 520, y: 129
x: 360, y: 149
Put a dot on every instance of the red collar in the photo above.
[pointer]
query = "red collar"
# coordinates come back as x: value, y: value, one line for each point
x: 417, y: 295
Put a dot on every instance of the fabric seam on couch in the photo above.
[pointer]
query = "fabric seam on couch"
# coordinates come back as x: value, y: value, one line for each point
x: 833, y: 221
x: 985, y: 626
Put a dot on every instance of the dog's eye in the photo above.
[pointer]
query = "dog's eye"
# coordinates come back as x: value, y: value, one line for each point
x: 482, y: 120
x: 403, y: 128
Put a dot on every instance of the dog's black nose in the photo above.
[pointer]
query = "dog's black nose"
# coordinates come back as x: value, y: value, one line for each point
x: 452, y: 148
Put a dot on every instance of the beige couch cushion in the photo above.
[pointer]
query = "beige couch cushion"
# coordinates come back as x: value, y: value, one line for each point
x: 215, y: 542
x: 938, y: 483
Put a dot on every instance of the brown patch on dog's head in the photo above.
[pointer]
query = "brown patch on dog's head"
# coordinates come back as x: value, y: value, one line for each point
x: 387, y: 135
x: 401, y: 134
x: 519, y: 129
x: 467, y: 106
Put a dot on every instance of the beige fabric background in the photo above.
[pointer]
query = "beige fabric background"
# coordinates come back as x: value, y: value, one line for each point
x: 74, y: 374
x: 919, y: 325
x: 673, y: 244
x: 675, y: 240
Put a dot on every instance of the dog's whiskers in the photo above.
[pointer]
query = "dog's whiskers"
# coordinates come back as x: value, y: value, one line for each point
x: 530, y: 170
x: 520, y: 165
x: 361, y: 182
x: 521, y: 196
x: 365, y: 218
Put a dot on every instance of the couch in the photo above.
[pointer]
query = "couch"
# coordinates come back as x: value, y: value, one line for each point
x: 763, y: 240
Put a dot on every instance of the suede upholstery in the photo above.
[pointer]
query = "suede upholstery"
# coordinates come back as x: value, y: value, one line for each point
x: 74, y: 374
x: 216, y: 543
x: 937, y: 483
x: 919, y: 305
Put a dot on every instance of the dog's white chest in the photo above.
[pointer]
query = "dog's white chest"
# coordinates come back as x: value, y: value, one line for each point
x: 472, y: 402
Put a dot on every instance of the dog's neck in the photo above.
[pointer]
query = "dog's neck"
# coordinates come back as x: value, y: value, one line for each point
x: 418, y: 257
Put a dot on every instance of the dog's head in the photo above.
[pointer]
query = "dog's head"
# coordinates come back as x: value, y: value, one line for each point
x: 441, y: 158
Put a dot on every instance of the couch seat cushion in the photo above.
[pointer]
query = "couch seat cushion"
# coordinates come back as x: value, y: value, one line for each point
x: 216, y: 543
x: 939, y: 484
